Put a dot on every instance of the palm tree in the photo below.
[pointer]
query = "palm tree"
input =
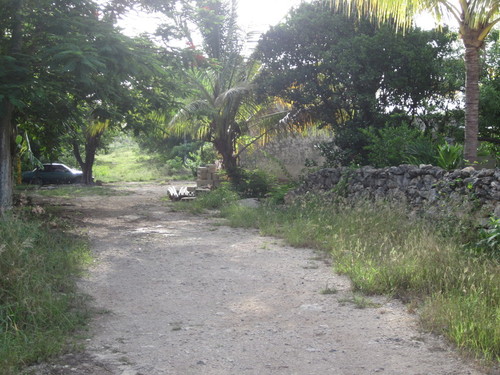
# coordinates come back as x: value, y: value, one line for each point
x: 475, y: 18
x: 224, y: 111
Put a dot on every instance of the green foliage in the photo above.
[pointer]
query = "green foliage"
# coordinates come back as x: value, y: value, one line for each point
x: 450, y: 156
x: 254, y: 184
x: 220, y: 197
x: 490, y: 237
x: 39, y: 304
x: 338, y: 69
x: 395, y: 145
x: 279, y: 191
x: 489, y: 110
x: 346, y: 148
x: 205, y: 154
x: 385, y: 250
x: 421, y: 151
x: 78, y: 72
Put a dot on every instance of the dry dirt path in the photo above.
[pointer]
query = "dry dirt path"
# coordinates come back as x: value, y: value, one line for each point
x: 180, y: 294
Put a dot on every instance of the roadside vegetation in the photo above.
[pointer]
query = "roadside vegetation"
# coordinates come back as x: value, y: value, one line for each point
x: 40, y: 307
x: 438, y: 266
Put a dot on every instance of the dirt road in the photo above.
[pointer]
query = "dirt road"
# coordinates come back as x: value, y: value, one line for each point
x: 179, y: 294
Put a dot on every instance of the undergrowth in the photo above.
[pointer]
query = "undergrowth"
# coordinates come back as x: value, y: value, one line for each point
x: 39, y: 304
x: 384, y: 250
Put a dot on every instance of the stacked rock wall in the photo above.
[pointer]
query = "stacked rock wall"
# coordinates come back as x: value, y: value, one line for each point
x: 418, y: 185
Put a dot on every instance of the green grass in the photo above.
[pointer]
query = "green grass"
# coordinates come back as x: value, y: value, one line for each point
x: 360, y: 302
x: 215, y: 199
x: 125, y: 162
x: 384, y: 250
x: 39, y: 304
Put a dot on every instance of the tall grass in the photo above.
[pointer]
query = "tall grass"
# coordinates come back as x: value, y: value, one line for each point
x: 384, y: 250
x: 39, y: 305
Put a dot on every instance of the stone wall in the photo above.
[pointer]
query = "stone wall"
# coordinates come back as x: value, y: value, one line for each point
x: 417, y: 185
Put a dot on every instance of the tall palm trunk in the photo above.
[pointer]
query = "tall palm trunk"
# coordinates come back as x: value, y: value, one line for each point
x: 472, y: 66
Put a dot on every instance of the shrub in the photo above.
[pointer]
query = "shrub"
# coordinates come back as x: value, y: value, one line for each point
x: 450, y: 156
x: 255, y: 184
x: 490, y: 237
x: 204, y: 155
x: 220, y: 197
x: 393, y: 145
x: 421, y: 151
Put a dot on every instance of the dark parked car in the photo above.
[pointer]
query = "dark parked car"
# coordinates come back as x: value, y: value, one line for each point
x: 54, y: 173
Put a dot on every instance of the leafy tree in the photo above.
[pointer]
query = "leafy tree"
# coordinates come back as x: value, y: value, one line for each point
x: 475, y: 18
x: 74, y: 72
x: 348, y: 73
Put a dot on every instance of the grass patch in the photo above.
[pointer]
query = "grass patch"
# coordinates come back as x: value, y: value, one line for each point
x: 222, y: 197
x: 360, y: 302
x: 125, y: 162
x: 384, y: 250
x: 39, y: 304
x: 329, y: 290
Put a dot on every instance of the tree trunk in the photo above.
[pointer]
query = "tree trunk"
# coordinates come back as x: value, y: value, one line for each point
x: 6, y: 126
x: 229, y: 159
x: 472, y: 68
x: 91, y: 144
x: 6, y: 156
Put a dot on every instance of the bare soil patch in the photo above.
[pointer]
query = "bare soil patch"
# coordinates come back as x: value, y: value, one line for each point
x: 182, y: 294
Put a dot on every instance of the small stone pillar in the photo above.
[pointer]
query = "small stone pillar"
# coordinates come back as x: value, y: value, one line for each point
x: 207, y: 177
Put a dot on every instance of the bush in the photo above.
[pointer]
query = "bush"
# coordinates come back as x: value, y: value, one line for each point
x: 490, y: 238
x: 255, y: 184
x: 278, y: 193
x: 450, y: 156
x: 204, y: 155
x: 395, y: 145
x: 421, y: 151
x: 220, y: 197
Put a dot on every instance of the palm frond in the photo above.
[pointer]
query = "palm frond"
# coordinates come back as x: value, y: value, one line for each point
x: 476, y: 14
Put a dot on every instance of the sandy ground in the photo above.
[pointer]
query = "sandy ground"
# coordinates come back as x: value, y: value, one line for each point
x: 182, y: 294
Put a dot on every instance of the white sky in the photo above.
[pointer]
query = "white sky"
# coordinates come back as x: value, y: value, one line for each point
x: 254, y: 15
